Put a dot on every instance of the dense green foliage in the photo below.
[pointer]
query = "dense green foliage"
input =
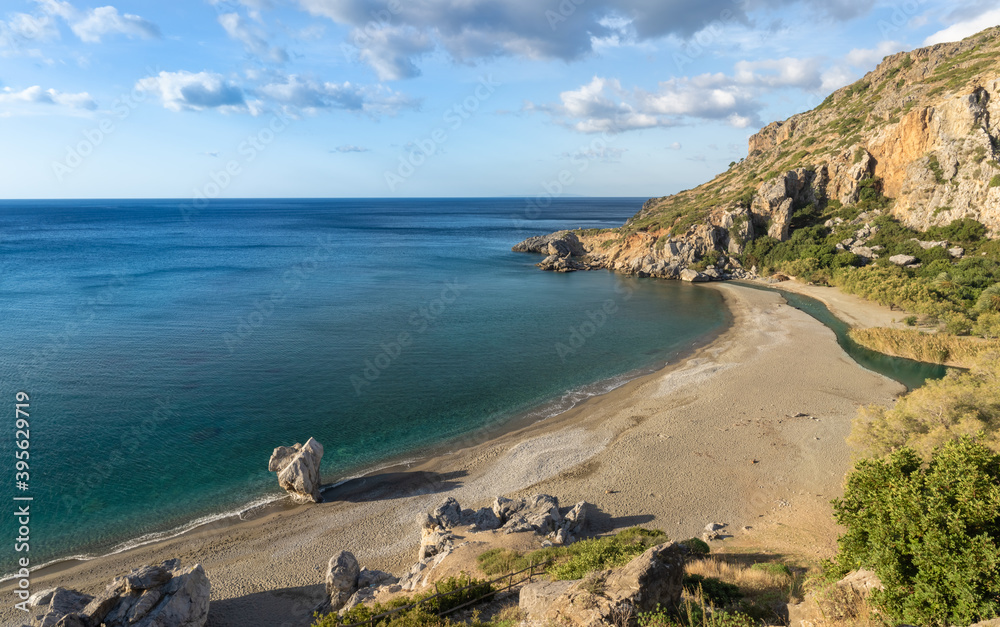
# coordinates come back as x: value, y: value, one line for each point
x: 930, y: 532
x: 947, y: 291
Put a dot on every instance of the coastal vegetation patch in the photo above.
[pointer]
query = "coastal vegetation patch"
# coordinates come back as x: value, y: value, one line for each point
x: 940, y: 348
x: 929, y: 527
x: 447, y: 594
x: 962, y: 404
x: 576, y: 560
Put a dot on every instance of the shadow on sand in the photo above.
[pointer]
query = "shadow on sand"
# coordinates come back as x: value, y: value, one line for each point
x: 287, y: 607
x: 393, y: 485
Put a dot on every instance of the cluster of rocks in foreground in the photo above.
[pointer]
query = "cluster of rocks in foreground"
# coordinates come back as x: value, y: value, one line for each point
x: 151, y: 596
x: 348, y: 585
x: 167, y: 595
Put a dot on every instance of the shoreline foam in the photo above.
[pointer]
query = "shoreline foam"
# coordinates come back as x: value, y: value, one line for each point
x: 264, y: 505
x: 672, y: 449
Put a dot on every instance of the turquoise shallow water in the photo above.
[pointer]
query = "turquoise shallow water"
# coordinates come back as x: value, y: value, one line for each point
x: 165, y: 358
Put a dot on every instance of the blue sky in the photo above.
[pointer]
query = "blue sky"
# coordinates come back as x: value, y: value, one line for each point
x: 384, y: 98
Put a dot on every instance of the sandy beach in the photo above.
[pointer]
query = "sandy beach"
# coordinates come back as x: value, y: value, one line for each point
x: 709, y: 439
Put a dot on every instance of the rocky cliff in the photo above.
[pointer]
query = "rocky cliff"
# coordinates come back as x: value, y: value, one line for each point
x: 922, y: 129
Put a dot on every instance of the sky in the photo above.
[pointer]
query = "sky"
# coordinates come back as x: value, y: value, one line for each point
x: 409, y: 98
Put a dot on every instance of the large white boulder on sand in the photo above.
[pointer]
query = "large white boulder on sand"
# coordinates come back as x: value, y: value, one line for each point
x: 298, y: 470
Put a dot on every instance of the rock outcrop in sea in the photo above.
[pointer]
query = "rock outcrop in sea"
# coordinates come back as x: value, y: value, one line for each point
x: 164, y: 595
x: 298, y: 470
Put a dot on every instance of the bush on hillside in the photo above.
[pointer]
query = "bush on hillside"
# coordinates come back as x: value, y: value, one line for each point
x: 930, y: 532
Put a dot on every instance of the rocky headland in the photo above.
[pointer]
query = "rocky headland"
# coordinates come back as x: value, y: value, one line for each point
x: 922, y: 129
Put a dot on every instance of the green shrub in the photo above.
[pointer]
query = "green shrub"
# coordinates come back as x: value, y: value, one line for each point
x: 910, y: 321
x: 745, y: 199
x: 989, y: 299
x: 692, y: 614
x: 987, y: 325
x: 585, y: 556
x: 965, y: 230
x: 500, y: 561
x: 426, y: 614
x: 995, y: 181
x: 696, y: 546
x: 716, y: 591
x: 931, y: 533
x: 962, y: 403
x: 935, y: 167
x: 774, y: 568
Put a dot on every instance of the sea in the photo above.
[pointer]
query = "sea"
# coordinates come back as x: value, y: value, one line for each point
x: 156, y: 351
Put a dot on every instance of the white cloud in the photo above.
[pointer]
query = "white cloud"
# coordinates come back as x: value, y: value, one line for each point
x: 786, y: 72
x: 867, y: 59
x: 675, y: 146
x: 391, y: 37
x: 604, y: 106
x: 189, y: 91
x: 962, y: 29
x: 707, y: 96
x: 390, y: 51
x: 22, y: 28
x: 600, y: 106
x: 186, y: 91
x: 856, y: 62
x: 102, y: 21
x: 350, y: 148
x: 251, y: 38
x: 36, y: 95
x: 89, y: 25
x: 836, y: 77
x: 59, y: 8
x: 309, y: 95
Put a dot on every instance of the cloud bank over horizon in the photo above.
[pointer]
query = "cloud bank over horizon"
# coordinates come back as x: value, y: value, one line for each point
x: 374, y: 78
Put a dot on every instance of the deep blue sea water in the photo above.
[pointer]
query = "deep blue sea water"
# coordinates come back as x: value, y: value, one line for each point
x: 166, y: 357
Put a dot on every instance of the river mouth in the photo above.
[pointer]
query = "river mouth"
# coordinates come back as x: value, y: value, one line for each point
x: 909, y: 372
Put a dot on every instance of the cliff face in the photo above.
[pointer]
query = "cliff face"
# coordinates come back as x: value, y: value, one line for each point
x: 923, y: 127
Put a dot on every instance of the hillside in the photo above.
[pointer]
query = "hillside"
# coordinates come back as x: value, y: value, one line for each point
x: 893, y: 180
